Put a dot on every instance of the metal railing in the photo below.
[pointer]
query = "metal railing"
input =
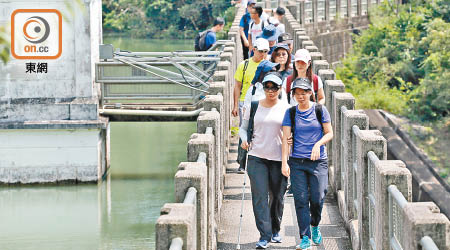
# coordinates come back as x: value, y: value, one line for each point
x: 396, y: 203
x: 156, y: 77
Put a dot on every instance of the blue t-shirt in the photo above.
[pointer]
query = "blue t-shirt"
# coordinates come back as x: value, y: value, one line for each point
x: 244, y: 23
x: 307, y: 131
x: 210, y: 39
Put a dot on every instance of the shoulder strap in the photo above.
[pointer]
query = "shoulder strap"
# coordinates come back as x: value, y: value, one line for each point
x: 253, y: 108
x: 243, y: 73
x: 318, y: 110
x: 254, y: 90
x: 292, y: 116
x: 315, y: 86
x: 288, y: 87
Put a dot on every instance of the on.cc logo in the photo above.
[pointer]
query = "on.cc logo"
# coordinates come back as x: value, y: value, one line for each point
x: 36, y: 34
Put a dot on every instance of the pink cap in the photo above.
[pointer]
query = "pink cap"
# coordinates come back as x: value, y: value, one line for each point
x: 302, y: 55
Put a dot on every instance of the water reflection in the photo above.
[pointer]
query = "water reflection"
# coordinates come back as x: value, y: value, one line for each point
x: 119, y: 213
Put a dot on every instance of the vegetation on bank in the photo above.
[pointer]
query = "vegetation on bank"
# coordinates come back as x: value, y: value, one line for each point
x: 165, y: 18
x: 401, y: 63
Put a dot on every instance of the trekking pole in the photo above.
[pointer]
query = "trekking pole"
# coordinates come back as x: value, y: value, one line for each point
x: 242, y: 202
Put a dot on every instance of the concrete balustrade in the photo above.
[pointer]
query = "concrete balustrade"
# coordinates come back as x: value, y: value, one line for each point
x: 195, y: 226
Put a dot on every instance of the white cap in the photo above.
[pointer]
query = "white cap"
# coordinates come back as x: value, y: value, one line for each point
x: 302, y: 55
x: 262, y: 44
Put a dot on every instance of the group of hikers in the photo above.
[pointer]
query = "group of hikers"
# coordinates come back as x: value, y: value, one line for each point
x: 283, y: 127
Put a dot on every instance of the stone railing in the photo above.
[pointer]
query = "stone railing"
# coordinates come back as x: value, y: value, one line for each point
x: 374, y: 194
x: 191, y: 222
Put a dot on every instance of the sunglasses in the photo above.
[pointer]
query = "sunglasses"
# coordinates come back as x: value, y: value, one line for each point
x: 282, y: 54
x: 273, y: 88
x: 263, y: 51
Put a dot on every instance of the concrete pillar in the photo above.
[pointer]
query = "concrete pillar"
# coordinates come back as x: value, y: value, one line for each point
x: 318, y: 65
x: 315, y: 56
x: 176, y: 220
x: 298, y: 43
x: 345, y: 198
x: 424, y: 219
x: 214, y: 89
x: 338, y: 100
x: 312, y: 48
x: 213, y: 119
x: 307, y: 43
x: 366, y: 140
x: 194, y: 174
x: 327, y: 74
x: 205, y: 143
x: 329, y: 87
x: 387, y: 173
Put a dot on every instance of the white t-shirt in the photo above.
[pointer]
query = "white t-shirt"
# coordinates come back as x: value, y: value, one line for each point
x: 293, y: 102
x: 255, y: 30
x: 267, y: 131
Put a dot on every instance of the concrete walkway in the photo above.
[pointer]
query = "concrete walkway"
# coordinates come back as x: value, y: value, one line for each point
x: 332, y: 225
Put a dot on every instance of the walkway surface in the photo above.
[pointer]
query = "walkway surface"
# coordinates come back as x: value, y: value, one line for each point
x: 332, y: 226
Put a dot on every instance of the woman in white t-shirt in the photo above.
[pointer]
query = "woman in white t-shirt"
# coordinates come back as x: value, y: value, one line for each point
x: 264, y: 134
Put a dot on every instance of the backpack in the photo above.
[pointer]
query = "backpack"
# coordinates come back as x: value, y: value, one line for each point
x: 315, y: 87
x: 251, y: 123
x: 292, y: 110
x: 199, y: 41
x: 262, y: 70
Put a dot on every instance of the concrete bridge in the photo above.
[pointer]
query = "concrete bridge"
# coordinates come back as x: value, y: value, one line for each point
x: 370, y: 201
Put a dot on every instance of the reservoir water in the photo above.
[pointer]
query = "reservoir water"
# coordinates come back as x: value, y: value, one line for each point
x: 121, y: 211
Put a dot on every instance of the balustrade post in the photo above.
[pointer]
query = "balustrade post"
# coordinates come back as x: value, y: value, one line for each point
x: 194, y: 174
x: 366, y: 140
x: 205, y: 143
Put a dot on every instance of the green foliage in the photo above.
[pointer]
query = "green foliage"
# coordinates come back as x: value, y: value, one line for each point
x: 4, y: 45
x: 161, y: 18
x: 401, y: 63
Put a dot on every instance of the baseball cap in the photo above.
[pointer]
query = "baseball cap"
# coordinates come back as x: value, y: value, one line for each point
x: 302, y: 83
x: 285, y: 37
x: 251, y: 2
x: 281, y: 45
x: 272, y: 78
x: 270, y: 33
x: 262, y: 44
x: 302, y: 55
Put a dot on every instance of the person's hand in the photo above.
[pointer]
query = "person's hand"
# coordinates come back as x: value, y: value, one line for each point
x: 244, y: 145
x: 246, y: 44
x: 250, y: 47
x: 315, y: 153
x: 234, y: 112
x: 285, y: 170
x: 290, y: 141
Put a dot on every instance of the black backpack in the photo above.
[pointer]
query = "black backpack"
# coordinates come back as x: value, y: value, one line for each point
x: 251, y: 122
x: 292, y: 110
x: 199, y: 42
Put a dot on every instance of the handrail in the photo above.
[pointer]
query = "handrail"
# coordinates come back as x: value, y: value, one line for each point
x: 191, y: 196
x: 397, y: 195
x: 150, y: 112
x: 176, y: 244
x: 427, y: 243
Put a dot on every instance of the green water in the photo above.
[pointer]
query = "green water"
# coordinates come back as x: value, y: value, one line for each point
x: 120, y: 212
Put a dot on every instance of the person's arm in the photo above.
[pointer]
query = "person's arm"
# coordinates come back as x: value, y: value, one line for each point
x: 328, y: 135
x: 285, y: 170
x: 244, y: 38
x: 321, y: 96
x: 236, y: 95
x: 243, y: 134
x: 250, y: 44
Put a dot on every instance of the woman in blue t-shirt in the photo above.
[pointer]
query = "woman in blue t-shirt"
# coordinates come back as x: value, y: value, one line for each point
x: 307, y: 161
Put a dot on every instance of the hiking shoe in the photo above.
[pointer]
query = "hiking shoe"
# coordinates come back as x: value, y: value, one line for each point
x: 305, y: 244
x: 276, y: 238
x: 316, y: 236
x: 241, y: 170
x: 262, y: 244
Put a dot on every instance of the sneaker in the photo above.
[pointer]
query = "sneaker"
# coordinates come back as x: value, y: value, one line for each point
x: 262, y: 244
x: 241, y: 170
x: 305, y: 244
x: 316, y: 236
x: 276, y: 238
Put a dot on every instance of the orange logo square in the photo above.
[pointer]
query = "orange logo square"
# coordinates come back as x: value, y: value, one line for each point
x: 36, y: 34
